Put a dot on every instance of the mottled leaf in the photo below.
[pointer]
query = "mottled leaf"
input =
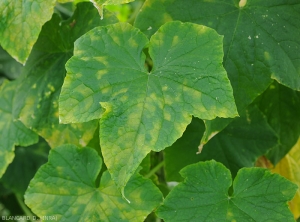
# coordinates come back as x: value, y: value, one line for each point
x: 281, y: 105
x: 13, y: 132
x: 25, y: 164
x: 20, y: 24
x: 65, y: 187
x: 289, y: 167
x: 261, y: 38
x: 257, y: 195
x: 37, y: 97
x: 238, y: 145
x: 144, y: 110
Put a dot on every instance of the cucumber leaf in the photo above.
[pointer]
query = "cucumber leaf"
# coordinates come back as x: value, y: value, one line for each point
x: 258, y: 195
x: 140, y: 110
x: 65, y: 188
x: 13, y: 131
x: 21, y: 22
x: 43, y: 76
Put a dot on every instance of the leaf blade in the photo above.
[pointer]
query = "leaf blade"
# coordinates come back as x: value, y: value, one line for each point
x: 70, y: 193
x: 204, y: 195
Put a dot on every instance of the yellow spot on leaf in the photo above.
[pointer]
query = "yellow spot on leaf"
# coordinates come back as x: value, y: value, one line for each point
x: 289, y: 167
x: 175, y: 40
x: 167, y: 116
x: 267, y: 55
x: 101, y: 59
x: 242, y: 3
x: 52, y: 89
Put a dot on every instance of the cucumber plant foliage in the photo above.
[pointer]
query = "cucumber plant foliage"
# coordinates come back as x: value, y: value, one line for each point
x: 127, y: 109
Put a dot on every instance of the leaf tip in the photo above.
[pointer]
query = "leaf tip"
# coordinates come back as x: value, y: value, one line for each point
x: 123, y: 195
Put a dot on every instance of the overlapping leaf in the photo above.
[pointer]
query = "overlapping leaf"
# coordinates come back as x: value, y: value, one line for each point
x: 9, y: 67
x: 144, y: 111
x: 37, y: 97
x: 257, y: 195
x: 65, y: 187
x: 21, y: 22
x: 183, y: 151
x: 261, y: 40
x: 13, y: 132
x: 25, y: 164
x: 281, y: 105
x: 238, y: 145
x: 289, y: 167
x: 99, y: 4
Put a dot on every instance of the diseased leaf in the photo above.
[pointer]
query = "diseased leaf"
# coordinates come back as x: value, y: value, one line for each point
x: 65, y: 187
x: 239, y: 145
x: 261, y: 38
x: 144, y: 110
x: 13, y: 132
x: 25, y: 164
x: 289, y: 167
x: 281, y: 105
x: 21, y: 22
x: 257, y: 195
x: 37, y: 97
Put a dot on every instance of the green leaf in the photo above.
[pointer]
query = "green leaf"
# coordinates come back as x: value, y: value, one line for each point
x: 144, y: 111
x: 21, y: 22
x: 37, y: 97
x: 239, y: 145
x: 281, y: 105
x: 25, y: 164
x: 13, y: 132
x: 99, y: 4
x: 184, y: 149
x: 212, y: 128
x: 261, y: 39
x: 65, y: 187
x: 257, y: 195
x: 9, y: 68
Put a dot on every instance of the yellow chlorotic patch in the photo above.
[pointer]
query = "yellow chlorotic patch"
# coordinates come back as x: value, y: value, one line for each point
x: 107, y: 106
x: 167, y: 116
x: 77, y: 75
x: 106, y: 90
x: 267, y: 55
x: 166, y: 18
x: 52, y: 89
x: 175, y: 40
x: 289, y: 167
x: 133, y: 43
x: 116, y: 39
x: 124, y: 98
x: 165, y: 88
x: 153, y: 96
x: 242, y: 3
x: 100, y: 73
x: 101, y: 59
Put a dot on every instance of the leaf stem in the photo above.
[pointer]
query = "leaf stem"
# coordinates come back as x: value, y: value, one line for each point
x: 63, y: 10
x: 23, y: 206
x: 155, y: 169
x: 135, y: 12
